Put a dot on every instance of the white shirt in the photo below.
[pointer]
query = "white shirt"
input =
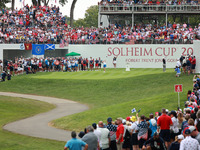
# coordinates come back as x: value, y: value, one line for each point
x: 189, y: 144
x: 174, y: 127
x: 178, y: 64
x: 98, y: 134
x: 134, y: 126
x: 104, y: 140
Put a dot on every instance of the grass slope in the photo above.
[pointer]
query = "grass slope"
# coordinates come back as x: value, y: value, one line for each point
x: 12, y: 109
x: 113, y: 93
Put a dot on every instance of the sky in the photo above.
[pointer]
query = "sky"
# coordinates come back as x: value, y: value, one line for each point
x: 80, y: 8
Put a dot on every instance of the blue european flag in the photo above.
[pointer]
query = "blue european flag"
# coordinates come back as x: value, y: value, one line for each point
x: 38, y: 49
x: 49, y: 47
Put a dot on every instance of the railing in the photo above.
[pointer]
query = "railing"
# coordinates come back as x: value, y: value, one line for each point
x: 149, y: 8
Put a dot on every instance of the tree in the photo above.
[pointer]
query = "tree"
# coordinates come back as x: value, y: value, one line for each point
x: 72, y: 12
x: 91, y: 16
x: 80, y: 23
x: 3, y: 3
x: 13, y: 4
x: 46, y: 2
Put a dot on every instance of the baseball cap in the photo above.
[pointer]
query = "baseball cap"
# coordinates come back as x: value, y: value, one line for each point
x: 94, y: 125
x: 123, y: 121
x: 133, y: 118
x: 180, y: 137
x: 120, y: 118
x: 192, y: 128
x: 128, y: 118
x: 109, y: 119
x: 187, y: 131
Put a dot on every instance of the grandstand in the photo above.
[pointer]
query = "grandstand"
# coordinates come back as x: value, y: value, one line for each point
x: 130, y: 12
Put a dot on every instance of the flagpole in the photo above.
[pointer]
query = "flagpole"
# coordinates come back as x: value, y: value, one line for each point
x: 178, y: 100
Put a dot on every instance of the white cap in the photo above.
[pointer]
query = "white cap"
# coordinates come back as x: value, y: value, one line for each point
x: 192, y: 128
x: 180, y: 137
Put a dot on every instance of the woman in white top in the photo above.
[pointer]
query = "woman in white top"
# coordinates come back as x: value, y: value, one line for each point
x: 174, y: 128
x: 104, y: 65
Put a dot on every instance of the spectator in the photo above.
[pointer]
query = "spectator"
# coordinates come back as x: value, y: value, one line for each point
x: 155, y: 143
x: 142, y: 129
x: 176, y: 144
x: 189, y: 142
x: 104, y: 141
x: 96, y: 132
x: 195, y: 133
x: 112, y: 128
x: 164, y: 122
x: 119, y: 134
x: 75, y: 144
x: 134, y: 133
x: 90, y: 138
x: 153, y: 124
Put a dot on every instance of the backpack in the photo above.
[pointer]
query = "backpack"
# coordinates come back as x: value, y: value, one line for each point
x: 127, y: 136
x: 198, y: 125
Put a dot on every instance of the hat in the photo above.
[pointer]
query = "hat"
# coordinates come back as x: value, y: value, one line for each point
x: 123, y: 121
x: 133, y: 118
x: 194, y: 80
x: 81, y: 134
x: 120, y: 118
x: 94, y: 125
x: 109, y: 119
x: 187, y: 131
x: 180, y: 137
x: 192, y: 128
x: 173, y: 113
x: 128, y: 118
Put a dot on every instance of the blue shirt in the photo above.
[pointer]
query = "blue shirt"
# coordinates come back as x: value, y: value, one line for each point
x: 75, y: 144
x: 177, y: 70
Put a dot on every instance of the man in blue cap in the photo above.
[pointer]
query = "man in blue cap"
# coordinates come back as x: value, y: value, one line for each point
x: 112, y: 128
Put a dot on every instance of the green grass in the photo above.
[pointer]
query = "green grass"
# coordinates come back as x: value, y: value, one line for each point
x: 113, y: 93
x: 12, y: 109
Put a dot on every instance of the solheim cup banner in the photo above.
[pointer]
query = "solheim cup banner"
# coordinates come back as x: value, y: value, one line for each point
x: 137, y: 56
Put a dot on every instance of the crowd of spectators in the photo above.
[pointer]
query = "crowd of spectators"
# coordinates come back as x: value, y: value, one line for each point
x: 150, y: 2
x: 47, y: 25
x: 173, y: 130
x: 32, y: 65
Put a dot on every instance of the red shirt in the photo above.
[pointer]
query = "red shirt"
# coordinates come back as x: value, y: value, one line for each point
x: 164, y: 122
x: 193, y: 61
x: 120, y: 130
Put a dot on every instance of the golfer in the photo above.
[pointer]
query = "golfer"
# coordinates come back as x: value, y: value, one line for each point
x: 115, y: 62
x: 104, y: 65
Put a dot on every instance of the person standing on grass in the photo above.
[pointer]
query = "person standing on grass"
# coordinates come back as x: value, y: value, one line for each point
x: 104, y: 65
x: 115, y: 62
x: 75, y: 144
x: 164, y: 122
x: 142, y: 129
x: 188, y: 63
x: 119, y: 134
x: 112, y: 128
x: 100, y: 62
x: 193, y: 62
x: 164, y: 64
x: 91, y: 139
x: 96, y: 64
x: 91, y: 64
x: 104, y: 141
